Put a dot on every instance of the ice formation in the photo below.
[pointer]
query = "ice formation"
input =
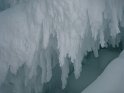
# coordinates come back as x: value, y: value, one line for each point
x: 92, y: 67
x: 42, y: 33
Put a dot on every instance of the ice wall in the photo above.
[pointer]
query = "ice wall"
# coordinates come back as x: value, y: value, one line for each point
x: 43, y: 33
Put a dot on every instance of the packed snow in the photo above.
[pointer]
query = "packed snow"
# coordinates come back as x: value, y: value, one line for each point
x: 111, y: 80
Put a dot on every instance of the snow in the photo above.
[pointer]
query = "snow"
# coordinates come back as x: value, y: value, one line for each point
x: 111, y: 80
x: 42, y: 33
x: 92, y: 67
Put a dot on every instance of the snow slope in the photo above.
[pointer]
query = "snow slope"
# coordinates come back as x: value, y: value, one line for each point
x: 111, y: 80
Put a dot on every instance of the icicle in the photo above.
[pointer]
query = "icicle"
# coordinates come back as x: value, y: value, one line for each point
x: 65, y: 72
x: 43, y: 67
x: 77, y: 69
x: 48, y: 66
x: 95, y: 13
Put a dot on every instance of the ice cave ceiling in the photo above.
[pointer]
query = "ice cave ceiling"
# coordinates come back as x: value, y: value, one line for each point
x: 55, y: 46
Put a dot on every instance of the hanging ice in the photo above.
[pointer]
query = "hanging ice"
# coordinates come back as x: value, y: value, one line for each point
x: 36, y: 32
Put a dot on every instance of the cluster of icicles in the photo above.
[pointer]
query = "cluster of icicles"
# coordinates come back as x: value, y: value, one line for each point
x: 65, y: 31
x: 81, y: 26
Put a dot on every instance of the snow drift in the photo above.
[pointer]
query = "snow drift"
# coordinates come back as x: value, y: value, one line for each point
x: 111, y: 80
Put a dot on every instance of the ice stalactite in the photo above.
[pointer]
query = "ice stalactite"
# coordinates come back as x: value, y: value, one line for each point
x: 65, y: 72
x: 36, y: 32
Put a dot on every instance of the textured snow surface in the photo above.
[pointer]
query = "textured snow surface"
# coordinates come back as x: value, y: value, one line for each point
x: 39, y: 34
x: 111, y: 80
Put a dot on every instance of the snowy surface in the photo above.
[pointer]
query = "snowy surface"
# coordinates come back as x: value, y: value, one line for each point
x: 111, y: 80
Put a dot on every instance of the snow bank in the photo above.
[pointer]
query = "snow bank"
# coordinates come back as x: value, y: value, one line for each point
x: 111, y: 80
